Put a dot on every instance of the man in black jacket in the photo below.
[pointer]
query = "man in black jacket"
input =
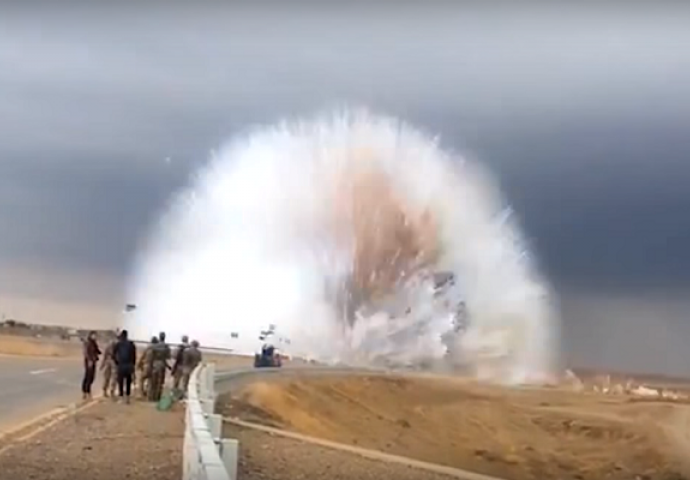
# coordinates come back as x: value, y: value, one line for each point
x: 125, y: 358
x: 91, y: 355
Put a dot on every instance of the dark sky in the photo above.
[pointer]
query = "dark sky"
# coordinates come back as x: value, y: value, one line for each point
x: 583, y: 114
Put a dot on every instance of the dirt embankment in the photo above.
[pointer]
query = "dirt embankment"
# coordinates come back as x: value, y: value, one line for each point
x: 510, y: 433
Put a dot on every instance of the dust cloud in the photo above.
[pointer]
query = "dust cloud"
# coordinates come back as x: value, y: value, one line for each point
x: 356, y: 239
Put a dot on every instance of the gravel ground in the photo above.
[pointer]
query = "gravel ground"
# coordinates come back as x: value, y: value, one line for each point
x: 106, y: 441
x: 268, y: 457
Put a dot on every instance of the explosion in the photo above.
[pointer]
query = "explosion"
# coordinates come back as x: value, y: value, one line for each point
x: 358, y: 240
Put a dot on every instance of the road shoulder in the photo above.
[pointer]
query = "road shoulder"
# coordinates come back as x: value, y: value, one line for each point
x: 107, y: 440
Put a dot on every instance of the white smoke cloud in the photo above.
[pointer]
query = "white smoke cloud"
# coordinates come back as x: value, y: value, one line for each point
x: 330, y: 229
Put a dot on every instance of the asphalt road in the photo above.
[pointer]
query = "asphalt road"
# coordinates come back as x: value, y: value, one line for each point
x: 32, y: 386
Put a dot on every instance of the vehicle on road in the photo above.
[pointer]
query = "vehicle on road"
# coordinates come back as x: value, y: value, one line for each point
x: 267, y: 358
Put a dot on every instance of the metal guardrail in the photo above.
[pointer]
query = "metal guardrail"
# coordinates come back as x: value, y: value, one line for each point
x: 206, y: 455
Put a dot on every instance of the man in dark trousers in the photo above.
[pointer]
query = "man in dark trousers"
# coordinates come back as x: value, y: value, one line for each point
x: 125, y: 358
x: 91, y: 355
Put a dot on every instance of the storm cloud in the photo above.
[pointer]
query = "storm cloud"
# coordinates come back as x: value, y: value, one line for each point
x: 582, y: 113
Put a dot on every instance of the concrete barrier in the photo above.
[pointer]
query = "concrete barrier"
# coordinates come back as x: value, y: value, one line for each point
x: 206, y: 455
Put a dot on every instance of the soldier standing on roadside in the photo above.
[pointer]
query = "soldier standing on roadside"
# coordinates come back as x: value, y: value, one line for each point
x: 125, y: 356
x: 144, y: 367
x: 160, y: 354
x: 177, y: 365
x: 109, y: 370
x: 167, y: 355
x: 191, y: 358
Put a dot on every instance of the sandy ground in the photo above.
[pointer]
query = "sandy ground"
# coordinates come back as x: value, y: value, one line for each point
x: 29, y: 346
x: 107, y: 441
x: 511, y: 433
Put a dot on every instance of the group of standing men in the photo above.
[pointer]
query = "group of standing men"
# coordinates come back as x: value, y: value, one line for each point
x: 121, y: 366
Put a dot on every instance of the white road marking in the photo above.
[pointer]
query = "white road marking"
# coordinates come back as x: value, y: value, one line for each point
x: 42, y: 371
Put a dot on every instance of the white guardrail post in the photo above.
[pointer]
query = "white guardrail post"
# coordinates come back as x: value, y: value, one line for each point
x: 206, y: 455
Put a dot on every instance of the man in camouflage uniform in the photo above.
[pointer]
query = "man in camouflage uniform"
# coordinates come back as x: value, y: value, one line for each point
x: 144, y: 367
x: 191, y: 358
x: 177, y: 365
x: 109, y: 370
x: 160, y: 354
x: 167, y: 354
